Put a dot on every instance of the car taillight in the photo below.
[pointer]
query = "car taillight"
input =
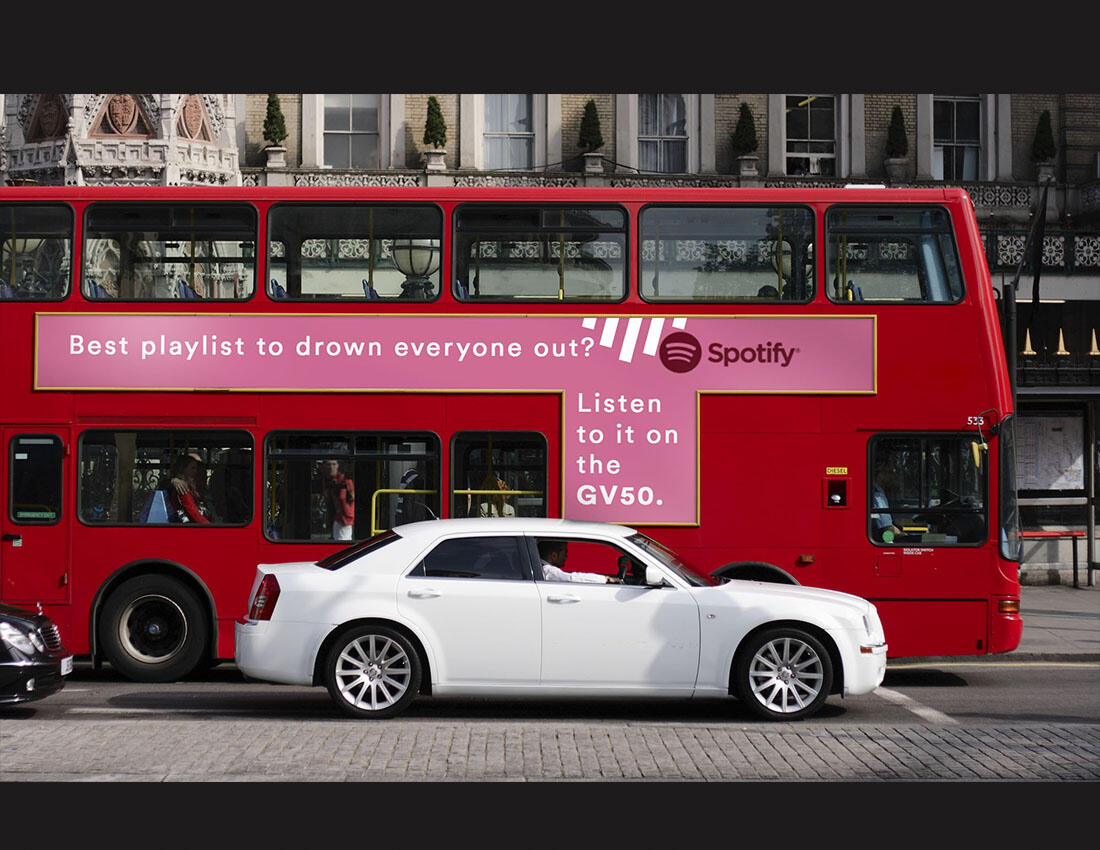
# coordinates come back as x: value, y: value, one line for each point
x: 263, y: 603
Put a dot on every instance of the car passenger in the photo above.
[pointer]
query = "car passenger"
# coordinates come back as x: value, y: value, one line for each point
x: 553, y: 554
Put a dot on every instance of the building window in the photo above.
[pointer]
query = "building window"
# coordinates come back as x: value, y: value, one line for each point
x: 509, y: 131
x: 351, y: 131
x: 956, y: 131
x: 662, y: 133
x: 811, y: 134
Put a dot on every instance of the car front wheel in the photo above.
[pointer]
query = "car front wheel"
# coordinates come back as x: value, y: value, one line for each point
x: 372, y: 671
x: 783, y: 674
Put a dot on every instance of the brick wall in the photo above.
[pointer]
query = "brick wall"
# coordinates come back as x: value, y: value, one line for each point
x: 416, y: 114
x: 256, y: 113
x: 572, y: 112
x: 877, y: 109
x: 1026, y: 109
x: 727, y: 107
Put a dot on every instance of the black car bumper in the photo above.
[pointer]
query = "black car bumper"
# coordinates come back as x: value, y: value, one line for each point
x: 26, y: 681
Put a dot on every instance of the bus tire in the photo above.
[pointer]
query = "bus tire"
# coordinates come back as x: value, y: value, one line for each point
x: 153, y: 629
x: 783, y: 673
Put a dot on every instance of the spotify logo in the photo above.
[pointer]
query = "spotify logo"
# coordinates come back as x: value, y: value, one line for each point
x: 680, y: 352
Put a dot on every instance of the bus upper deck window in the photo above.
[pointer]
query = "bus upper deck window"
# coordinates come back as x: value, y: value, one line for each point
x: 898, y: 254
x: 36, y: 246
x: 727, y: 253
x: 512, y: 252
x: 169, y: 252
x: 355, y: 252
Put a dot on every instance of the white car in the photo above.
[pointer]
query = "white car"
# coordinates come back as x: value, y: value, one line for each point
x: 461, y: 607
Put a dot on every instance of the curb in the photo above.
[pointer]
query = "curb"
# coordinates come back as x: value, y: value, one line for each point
x: 998, y: 658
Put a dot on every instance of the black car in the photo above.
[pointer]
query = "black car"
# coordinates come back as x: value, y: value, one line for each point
x: 33, y: 663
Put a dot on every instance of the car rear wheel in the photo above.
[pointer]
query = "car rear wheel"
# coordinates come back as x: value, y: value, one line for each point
x: 783, y: 674
x: 153, y: 629
x: 372, y: 671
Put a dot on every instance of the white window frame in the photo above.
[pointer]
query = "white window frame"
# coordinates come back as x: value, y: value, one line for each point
x: 546, y: 124
x: 391, y: 131
x: 814, y: 158
x: 509, y: 135
x: 995, y: 147
x: 849, y: 128
x: 700, y: 133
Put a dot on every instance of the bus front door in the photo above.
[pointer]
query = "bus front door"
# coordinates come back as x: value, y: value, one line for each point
x: 34, y: 550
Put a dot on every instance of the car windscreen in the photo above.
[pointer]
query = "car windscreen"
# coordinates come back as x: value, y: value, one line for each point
x: 345, y: 556
x: 669, y: 559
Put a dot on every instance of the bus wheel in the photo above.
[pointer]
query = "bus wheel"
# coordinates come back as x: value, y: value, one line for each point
x: 753, y: 571
x: 783, y: 674
x: 153, y: 629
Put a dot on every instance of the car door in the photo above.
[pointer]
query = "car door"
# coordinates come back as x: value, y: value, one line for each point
x: 616, y: 637
x: 473, y: 598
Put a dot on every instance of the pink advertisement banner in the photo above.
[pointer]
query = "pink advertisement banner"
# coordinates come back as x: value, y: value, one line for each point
x: 629, y: 384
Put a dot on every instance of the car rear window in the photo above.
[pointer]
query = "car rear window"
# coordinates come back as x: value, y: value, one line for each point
x: 352, y: 553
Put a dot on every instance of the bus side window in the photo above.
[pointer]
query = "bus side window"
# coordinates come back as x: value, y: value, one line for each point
x: 903, y: 254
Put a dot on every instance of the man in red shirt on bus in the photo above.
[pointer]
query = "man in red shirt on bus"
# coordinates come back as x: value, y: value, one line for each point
x: 339, y: 500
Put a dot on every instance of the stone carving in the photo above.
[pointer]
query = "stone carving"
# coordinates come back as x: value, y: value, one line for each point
x: 191, y: 116
x: 122, y: 113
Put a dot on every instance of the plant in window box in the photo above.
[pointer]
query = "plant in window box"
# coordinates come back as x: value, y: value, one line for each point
x: 1043, y: 149
x: 744, y: 142
x: 274, y: 133
x: 896, y: 162
x: 435, y: 134
x: 591, y: 139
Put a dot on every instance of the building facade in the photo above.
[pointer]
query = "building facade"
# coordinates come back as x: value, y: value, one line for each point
x: 986, y: 143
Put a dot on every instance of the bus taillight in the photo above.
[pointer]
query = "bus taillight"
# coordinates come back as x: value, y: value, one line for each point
x: 263, y: 603
x: 1004, y: 606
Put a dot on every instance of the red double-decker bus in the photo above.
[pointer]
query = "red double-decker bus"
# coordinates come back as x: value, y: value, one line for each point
x: 805, y: 386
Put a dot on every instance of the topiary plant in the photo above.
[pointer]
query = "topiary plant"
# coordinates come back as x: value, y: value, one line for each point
x: 274, y: 124
x: 744, y: 140
x: 1043, y: 149
x: 435, y: 128
x: 897, y: 143
x: 590, y: 137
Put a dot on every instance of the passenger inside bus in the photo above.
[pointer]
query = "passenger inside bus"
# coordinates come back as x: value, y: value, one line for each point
x: 495, y: 505
x: 187, y: 492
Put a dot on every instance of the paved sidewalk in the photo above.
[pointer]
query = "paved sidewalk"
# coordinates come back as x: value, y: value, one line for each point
x: 1060, y: 621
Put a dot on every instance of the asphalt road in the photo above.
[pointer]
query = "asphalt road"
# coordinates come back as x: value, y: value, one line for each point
x: 1029, y: 720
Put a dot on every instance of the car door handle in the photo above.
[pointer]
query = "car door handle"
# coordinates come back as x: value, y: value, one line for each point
x: 562, y: 600
x: 426, y: 593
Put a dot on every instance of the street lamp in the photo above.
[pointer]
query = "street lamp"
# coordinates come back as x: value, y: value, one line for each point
x: 416, y: 259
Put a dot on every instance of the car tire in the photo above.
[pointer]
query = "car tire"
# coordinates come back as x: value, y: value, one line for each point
x: 372, y: 671
x: 783, y: 674
x: 154, y: 629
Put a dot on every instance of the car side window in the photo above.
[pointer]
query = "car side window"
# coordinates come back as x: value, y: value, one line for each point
x: 497, y: 558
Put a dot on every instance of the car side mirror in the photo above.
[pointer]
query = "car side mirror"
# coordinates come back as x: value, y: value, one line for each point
x: 654, y: 577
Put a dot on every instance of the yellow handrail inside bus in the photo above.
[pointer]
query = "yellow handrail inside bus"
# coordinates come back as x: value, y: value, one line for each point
x: 374, y: 527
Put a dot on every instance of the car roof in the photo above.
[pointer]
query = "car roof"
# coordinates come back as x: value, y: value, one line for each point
x: 539, y: 526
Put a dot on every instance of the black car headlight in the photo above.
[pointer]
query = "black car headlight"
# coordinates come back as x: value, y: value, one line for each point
x: 26, y: 642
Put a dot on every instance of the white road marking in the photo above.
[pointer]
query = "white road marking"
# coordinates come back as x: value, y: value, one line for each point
x: 922, y: 711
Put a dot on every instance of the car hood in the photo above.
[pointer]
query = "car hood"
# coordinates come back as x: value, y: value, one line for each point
x: 31, y: 618
x: 814, y: 595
